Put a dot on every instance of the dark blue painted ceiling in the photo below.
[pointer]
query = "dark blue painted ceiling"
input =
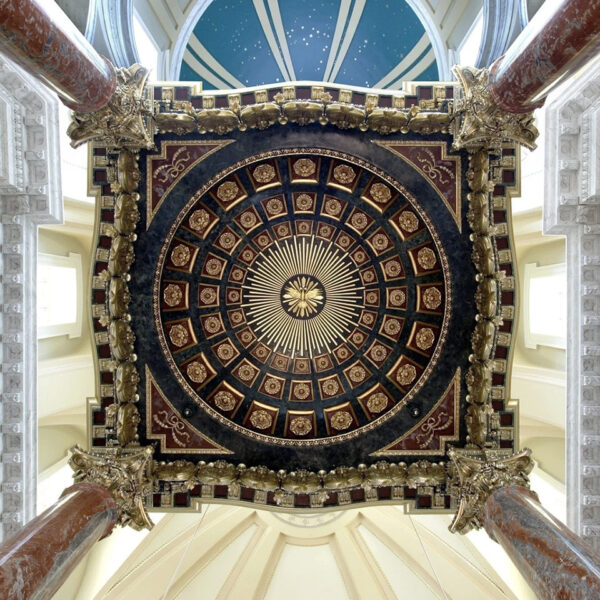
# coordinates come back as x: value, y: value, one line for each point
x: 374, y: 43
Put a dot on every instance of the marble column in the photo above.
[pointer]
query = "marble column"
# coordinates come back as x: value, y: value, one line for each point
x: 37, y: 560
x: 39, y: 37
x: 559, y: 40
x: 557, y: 563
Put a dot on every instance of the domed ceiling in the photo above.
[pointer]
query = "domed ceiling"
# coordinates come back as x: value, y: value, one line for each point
x: 237, y: 43
x: 314, y: 314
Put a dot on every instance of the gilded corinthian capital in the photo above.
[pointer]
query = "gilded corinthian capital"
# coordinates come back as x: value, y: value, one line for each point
x: 482, y: 123
x: 124, y: 121
x: 126, y: 474
x: 477, y: 478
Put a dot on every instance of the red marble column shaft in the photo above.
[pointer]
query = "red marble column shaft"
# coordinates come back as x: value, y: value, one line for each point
x: 557, y: 563
x: 39, y: 37
x: 557, y: 42
x: 36, y: 561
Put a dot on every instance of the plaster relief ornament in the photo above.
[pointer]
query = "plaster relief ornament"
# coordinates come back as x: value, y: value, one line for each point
x: 304, y: 202
x: 379, y: 353
x: 300, y: 426
x: 359, y: 220
x: 248, y: 219
x: 227, y: 240
x: 377, y: 403
x: 245, y: 373
x: 261, y: 419
x: 392, y: 327
x: 179, y: 335
x: 228, y: 191
x: 397, y: 298
x: 393, y: 268
x: 371, y: 297
x: 213, y: 266
x: 301, y: 391
x: 330, y: 387
x: 333, y: 207
x: 196, y: 371
x: 225, y: 351
x: 406, y: 374
x: 172, y: 295
x: 224, y: 401
x: 305, y: 167
x: 380, y: 192
x: 357, y: 374
x: 212, y: 324
x: 208, y: 296
x: 341, y: 420
x: 180, y: 255
x: 408, y: 221
x: 426, y: 258
x: 274, y: 206
x: 264, y: 173
x: 432, y: 298
x: 272, y: 386
x: 199, y: 220
x: 425, y: 338
x: 344, y: 174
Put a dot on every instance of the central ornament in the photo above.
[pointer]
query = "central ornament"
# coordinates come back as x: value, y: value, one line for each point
x: 303, y: 297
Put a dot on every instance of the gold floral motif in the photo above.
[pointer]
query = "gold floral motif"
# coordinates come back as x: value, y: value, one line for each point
x: 199, y: 220
x: 330, y: 387
x: 261, y: 351
x: 379, y: 353
x: 248, y: 219
x: 341, y: 420
x: 304, y: 202
x: 196, y: 371
x: 245, y: 372
x: 333, y: 206
x: 408, y: 221
x: 432, y: 298
x: 342, y: 353
x: 227, y: 240
x: 377, y: 402
x: 406, y: 374
x: 392, y: 326
x: 397, y: 297
x: 283, y: 230
x: 322, y: 363
x: 302, y: 391
x: 179, y: 335
x: 426, y: 258
x: 425, y: 338
x: 246, y: 337
x: 212, y: 324
x: 368, y: 319
x: 344, y: 174
x: 372, y: 297
x: 344, y: 241
x: 272, y: 386
x: 368, y: 276
x: 380, y: 192
x: 326, y: 230
x: 172, y: 295
x: 225, y: 351
x: 360, y: 256
x: 359, y: 220
x: 233, y: 296
x: 263, y: 240
x: 357, y: 374
x: 236, y: 317
x: 393, y: 268
x: 357, y: 338
x: 300, y: 426
x: 305, y: 167
x: 303, y: 227
x: 180, y: 255
x: 224, y: 401
x: 261, y: 419
x: 208, y: 296
x: 228, y: 191
x: 264, y: 173
x: 380, y: 241
x: 274, y: 206
x: 237, y: 274
x: 213, y: 266
x: 247, y: 255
